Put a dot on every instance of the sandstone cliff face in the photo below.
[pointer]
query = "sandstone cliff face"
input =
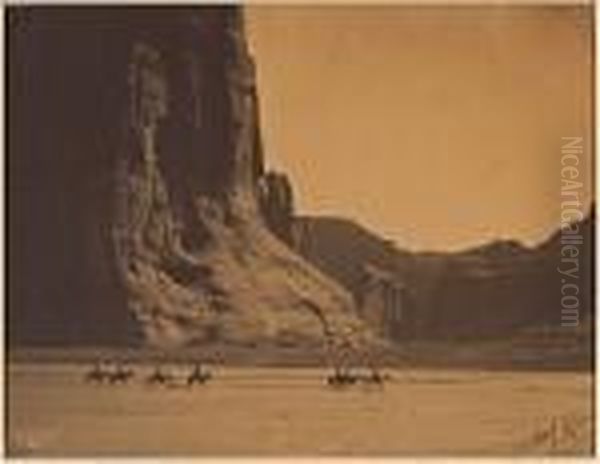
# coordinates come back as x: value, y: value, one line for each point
x: 495, y: 290
x: 181, y: 240
x: 277, y: 204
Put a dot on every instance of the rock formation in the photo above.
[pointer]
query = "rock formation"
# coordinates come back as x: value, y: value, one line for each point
x: 494, y: 290
x: 383, y: 303
x: 277, y: 204
x: 151, y: 119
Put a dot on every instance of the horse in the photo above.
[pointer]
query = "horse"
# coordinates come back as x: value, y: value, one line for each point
x: 341, y: 378
x: 374, y: 378
x: 158, y: 377
x: 97, y: 374
x: 198, y: 375
x: 120, y: 375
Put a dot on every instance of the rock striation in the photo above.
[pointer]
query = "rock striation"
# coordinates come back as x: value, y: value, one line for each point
x: 150, y: 117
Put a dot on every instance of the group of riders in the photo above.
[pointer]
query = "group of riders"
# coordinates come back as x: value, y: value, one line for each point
x: 118, y: 372
x: 343, y: 375
x: 344, y: 358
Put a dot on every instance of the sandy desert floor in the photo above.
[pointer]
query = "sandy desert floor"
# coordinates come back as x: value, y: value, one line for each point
x: 273, y: 411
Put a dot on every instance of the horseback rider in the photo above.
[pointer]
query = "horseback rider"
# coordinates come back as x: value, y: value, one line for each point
x: 96, y: 374
x: 198, y: 374
x: 158, y: 376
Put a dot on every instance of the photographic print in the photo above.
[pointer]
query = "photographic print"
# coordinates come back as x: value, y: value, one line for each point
x: 299, y: 230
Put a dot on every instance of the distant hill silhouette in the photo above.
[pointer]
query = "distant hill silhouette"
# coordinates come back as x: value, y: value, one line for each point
x: 497, y: 289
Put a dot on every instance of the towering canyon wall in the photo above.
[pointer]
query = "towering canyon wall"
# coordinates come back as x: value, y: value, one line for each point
x: 139, y: 205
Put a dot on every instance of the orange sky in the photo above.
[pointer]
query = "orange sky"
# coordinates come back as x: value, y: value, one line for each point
x: 437, y: 127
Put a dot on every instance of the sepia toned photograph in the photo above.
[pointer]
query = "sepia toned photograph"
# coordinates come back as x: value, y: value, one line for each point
x: 317, y: 230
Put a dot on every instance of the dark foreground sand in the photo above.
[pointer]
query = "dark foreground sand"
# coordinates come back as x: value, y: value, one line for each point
x: 259, y: 411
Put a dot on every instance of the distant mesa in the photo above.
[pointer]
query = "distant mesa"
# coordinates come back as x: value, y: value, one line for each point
x: 495, y: 290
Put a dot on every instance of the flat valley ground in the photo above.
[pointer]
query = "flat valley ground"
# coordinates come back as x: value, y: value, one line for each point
x: 254, y: 411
